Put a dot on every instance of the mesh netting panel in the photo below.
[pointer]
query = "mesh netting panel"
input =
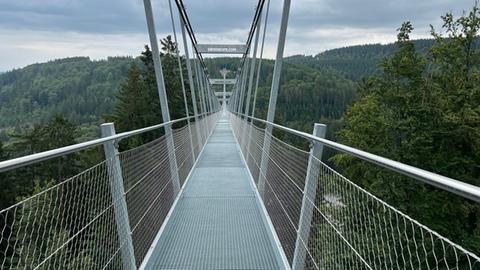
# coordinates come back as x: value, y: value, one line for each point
x: 69, y: 225
x: 348, y: 228
x: 77, y: 224
x: 367, y: 233
x: 183, y: 152
x: 149, y: 191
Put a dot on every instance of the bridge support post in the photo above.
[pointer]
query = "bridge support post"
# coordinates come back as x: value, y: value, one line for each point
x: 272, y: 104
x: 162, y: 94
x: 118, y: 197
x: 308, y: 201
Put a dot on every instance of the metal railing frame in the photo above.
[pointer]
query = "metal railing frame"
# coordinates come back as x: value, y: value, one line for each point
x: 46, y: 155
x: 460, y: 188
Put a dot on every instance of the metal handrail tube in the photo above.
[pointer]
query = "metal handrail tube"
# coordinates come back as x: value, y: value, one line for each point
x: 463, y: 189
x: 35, y: 158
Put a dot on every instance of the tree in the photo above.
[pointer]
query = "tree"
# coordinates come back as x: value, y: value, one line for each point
x: 423, y: 111
x: 57, y: 133
x: 169, y: 46
x: 7, y: 187
x: 138, y: 104
x: 78, y: 88
x: 22, y: 183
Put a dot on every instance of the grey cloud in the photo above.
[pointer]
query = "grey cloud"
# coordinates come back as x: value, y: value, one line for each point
x: 214, y: 16
x: 88, y: 16
x: 367, y: 14
x: 314, y: 25
x: 220, y: 16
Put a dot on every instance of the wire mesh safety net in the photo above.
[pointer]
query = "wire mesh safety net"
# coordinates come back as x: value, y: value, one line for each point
x: 348, y: 227
x: 74, y: 224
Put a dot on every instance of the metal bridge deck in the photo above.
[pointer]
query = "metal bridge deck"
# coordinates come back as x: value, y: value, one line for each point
x: 217, y: 222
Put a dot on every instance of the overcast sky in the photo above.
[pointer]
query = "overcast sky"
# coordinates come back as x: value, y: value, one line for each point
x: 37, y: 31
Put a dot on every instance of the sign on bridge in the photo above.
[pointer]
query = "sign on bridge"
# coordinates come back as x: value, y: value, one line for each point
x: 221, y: 81
x: 220, y: 94
x: 222, y: 48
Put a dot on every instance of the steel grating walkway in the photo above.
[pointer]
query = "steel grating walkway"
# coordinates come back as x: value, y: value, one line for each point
x: 218, y: 222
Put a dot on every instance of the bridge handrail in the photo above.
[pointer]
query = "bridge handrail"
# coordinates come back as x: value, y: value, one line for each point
x: 42, y: 156
x: 460, y: 188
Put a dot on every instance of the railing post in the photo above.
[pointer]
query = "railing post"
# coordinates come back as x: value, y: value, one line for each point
x: 118, y: 197
x: 272, y: 104
x: 162, y: 94
x: 224, y: 73
x: 309, y: 193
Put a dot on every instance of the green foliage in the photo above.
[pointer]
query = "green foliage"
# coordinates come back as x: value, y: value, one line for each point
x: 423, y: 110
x: 78, y: 88
x: 138, y: 104
x: 307, y: 95
x: 57, y: 133
x: 54, y: 237
x: 420, y: 106
x: 7, y: 188
x: 356, y: 62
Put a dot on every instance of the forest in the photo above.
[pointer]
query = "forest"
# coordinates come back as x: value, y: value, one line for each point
x: 414, y: 101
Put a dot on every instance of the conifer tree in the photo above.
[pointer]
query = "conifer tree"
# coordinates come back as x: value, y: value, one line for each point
x: 423, y: 111
x: 138, y: 104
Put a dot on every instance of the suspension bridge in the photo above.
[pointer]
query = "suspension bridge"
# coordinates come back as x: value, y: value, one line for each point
x: 218, y: 190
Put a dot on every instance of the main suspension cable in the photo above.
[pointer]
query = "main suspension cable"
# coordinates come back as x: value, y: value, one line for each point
x: 253, y: 27
x: 184, y: 16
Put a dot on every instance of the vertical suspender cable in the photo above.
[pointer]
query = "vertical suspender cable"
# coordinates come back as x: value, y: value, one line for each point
x: 241, y: 80
x: 200, y: 91
x: 162, y: 94
x: 242, y: 86
x: 252, y: 67
x: 260, y: 58
x: 247, y: 111
x: 191, y: 82
x: 180, y: 68
x: 272, y: 104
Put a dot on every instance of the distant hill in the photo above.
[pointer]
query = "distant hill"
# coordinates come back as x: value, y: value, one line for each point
x: 306, y: 93
x: 79, y: 88
x: 83, y: 90
x: 355, y: 62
